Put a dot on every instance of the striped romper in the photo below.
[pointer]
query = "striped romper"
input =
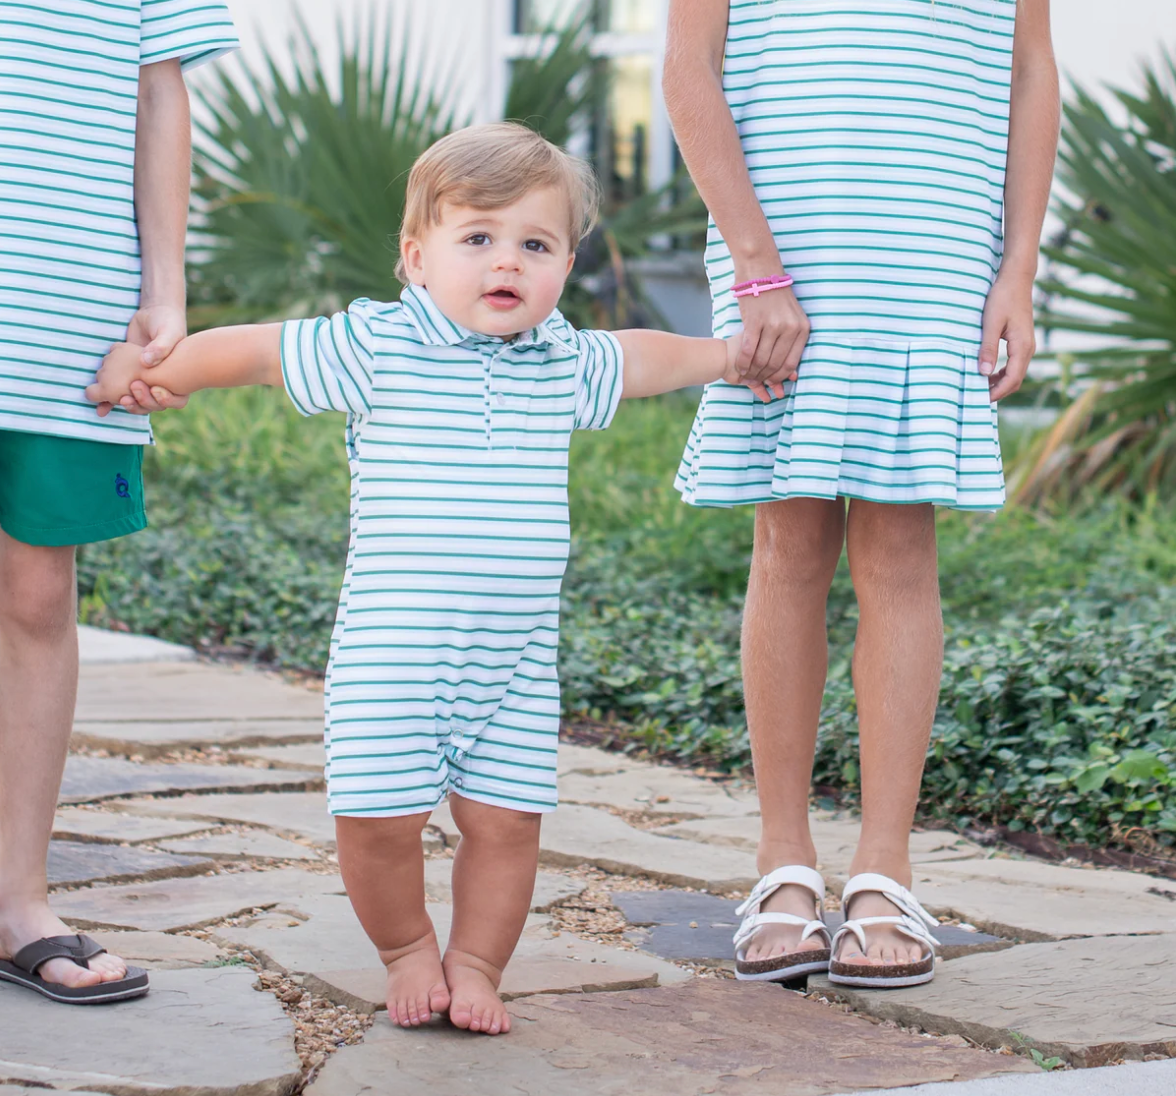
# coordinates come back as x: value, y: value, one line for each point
x: 442, y: 670
x: 876, y: 135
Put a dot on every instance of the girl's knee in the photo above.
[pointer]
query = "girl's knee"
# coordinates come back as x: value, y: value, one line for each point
x: 799, y: 541
x: 892, y: 547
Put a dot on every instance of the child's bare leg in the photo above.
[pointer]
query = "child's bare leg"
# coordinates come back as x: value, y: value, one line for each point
x: 493, y: 880
x: 897, y: 662
x: 383, y: 867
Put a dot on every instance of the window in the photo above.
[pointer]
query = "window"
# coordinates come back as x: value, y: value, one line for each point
x: 628, y: 137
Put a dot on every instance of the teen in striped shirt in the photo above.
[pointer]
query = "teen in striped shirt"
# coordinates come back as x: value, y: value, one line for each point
x: 461, y: 401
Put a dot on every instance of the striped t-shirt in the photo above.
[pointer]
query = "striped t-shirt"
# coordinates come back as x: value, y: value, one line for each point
x: 69, y: 247
x: 444, y: 651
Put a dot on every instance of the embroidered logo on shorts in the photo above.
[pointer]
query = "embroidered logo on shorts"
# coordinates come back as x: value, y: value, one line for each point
x: 121, y: 487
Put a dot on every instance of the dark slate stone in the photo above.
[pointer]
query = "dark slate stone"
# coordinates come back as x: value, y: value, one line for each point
x: 85, y: 862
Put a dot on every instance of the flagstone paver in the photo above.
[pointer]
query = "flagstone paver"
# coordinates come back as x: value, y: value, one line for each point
x: 150, y: 739
x: 835, y: 836
x: 304, y: 755
x: 241, y: 846
x: 1036, y: 901
x: 1089, y: 1001
x: 704, y: 1036
x: 197, y: 1033
x: 116, y: 827
x: 172, y: 905
x: 91, y: 779
x: 575, y: 835
x: 166, y: 692
x: 661, y: 790
x: 158, y: 950
x: 97, y: 646
x: 72, y: 862
x: 1130, y: 1079
x: 301, y: 814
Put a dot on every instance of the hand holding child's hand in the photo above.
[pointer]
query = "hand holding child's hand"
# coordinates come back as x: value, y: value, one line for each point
x: 763, y: 391
x: 113, y: 381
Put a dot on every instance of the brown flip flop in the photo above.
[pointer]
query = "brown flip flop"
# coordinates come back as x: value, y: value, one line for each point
x: 22, y: 969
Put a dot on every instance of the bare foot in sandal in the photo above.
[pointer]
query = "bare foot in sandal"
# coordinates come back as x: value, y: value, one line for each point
x: 771, y: 941
x: 416, y: 982
x: 21, y: 927
x: 885, y: 945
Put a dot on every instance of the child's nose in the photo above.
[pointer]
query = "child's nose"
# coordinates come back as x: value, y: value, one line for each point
x: 508, y: 258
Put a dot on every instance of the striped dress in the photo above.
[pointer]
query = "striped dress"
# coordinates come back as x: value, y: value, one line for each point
x: 876, y: 135
x: 442, y: 674
x: 69, y: 245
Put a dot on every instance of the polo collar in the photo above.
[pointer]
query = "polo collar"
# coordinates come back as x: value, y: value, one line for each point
x: 436, y: 329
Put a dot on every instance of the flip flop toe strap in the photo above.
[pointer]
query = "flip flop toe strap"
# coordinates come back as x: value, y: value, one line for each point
x: 77, y: 949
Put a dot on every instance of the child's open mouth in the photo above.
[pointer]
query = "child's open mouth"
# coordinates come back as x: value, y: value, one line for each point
x: 503, y: 298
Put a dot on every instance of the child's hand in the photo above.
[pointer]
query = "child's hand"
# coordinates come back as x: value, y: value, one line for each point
x: 113, y: 381
x: 733, y: 376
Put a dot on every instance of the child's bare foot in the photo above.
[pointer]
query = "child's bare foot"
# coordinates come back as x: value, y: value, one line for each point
x: 475, y: 1004
x: 416, y: 982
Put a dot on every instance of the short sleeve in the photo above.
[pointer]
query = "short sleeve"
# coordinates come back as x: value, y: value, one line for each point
x: 195, y: 31
x: 328, y: 364
x: 599, y: 378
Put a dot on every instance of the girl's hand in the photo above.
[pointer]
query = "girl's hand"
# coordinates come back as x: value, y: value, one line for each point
x: 775, y: 331
x: 764, y: 391
x: 1008, y: 315
x: 113, y: 380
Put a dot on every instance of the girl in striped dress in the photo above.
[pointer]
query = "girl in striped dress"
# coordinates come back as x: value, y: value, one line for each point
x: 892, y: 159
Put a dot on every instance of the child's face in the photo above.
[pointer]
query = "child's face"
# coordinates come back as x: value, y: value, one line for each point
x: 496, y: 271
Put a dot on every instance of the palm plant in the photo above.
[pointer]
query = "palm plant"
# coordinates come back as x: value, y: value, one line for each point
x: 1112, y: 277
x: 300, y: 179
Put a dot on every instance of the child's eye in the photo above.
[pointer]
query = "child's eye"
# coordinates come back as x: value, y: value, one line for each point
x: 478, y: 239
x: 535, y: 245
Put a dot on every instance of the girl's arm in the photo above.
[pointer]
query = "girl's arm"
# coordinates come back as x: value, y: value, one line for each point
x: 775, y: 328
x: 225, y: 357
x: 1034, y: 120
x: 657, y: 362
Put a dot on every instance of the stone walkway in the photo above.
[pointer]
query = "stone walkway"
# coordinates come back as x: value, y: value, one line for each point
x: 193, y: 838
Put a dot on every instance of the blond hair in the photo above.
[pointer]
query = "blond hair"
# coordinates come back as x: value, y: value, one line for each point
x: 492, y: 166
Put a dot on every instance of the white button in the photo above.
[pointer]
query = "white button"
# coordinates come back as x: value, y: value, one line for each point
x: 501, y: 399
x: 458, y: 782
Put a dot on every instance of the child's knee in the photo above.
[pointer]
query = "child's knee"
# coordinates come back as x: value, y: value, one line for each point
x: 357, y: 834
x: 485, y: 822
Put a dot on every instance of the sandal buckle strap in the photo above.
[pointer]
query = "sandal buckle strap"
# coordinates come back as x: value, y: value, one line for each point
x: 78, y: 949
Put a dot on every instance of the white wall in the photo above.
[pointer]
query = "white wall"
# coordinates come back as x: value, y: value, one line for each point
x: 1097, y: 40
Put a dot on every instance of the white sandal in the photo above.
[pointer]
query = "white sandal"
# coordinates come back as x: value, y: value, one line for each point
x: 914, y: 922
x: 794, y: 964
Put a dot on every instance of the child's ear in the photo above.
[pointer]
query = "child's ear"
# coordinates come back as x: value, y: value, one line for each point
x: 571, y: 262
x: 413, y: 258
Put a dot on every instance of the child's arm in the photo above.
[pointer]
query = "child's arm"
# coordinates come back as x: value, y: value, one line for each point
x: 656, y: 362
x: 225, y: 357
x: 1033, y: 141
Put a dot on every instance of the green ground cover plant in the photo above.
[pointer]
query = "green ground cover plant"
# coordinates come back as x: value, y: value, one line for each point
x: 1059, y: 701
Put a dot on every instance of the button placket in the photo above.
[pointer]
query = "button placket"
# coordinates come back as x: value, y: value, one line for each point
x: 488, y: 390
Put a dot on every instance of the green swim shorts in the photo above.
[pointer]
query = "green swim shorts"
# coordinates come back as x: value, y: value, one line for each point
x: 58, y: 491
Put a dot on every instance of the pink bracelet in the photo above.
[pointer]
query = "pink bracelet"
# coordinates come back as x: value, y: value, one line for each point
x: 757, y: 286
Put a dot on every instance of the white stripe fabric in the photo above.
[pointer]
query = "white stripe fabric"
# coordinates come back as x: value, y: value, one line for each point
x: 69, y: 248
x: 442, y: 673
x: 876, y: 135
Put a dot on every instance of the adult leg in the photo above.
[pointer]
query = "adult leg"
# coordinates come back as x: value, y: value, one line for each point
x: 785, y: 660
x: 383, y: 868
x: 38, y: 691
x: 897, y: 664
x: 493, y: 880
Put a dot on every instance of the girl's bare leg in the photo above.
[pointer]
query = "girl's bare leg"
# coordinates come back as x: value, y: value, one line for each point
x: 383, y: 867
x: 785, y: 659
x: 898, y: 660
x: 493, y: 881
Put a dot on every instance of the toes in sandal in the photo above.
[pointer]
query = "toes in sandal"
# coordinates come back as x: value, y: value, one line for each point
x: 23, y: 966
x: 914, y: 922
x: 794, y: 964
